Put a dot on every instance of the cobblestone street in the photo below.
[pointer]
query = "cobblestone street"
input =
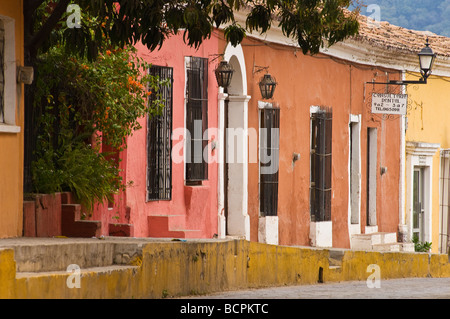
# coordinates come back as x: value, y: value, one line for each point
x: 410, y: 288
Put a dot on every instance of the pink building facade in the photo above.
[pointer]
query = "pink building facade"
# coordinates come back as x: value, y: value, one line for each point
x: 173, y: 191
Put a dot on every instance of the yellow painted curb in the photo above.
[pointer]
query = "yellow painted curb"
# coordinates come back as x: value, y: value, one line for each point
x: 183, y: 268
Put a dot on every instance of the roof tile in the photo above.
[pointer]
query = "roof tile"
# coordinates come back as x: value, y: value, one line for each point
x: 395, y: 38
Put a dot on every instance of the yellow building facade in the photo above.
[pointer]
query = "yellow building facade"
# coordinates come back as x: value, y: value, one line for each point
x: 11, y: 118
x: 427, y: 151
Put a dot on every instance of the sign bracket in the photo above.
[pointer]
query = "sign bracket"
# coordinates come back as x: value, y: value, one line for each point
x: 385, y: 89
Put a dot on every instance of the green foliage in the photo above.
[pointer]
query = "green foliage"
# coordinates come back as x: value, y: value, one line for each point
x: 259, y: 18
x: 234, y: 34
x: 90, y: 93
x: 312, y: 23
x: 80, y: 169
x: 83, y: 105
x: 420, y: 246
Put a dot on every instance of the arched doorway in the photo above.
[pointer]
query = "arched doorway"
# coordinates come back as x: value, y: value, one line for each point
x: 233, y: 147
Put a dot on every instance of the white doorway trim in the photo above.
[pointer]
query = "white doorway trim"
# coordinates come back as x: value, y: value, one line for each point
x: 372, y: 180
x: 237, y: 223
x: 354, y: 175
x: 420, y: 155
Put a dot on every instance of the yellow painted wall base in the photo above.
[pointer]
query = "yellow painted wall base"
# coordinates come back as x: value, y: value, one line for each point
x: 184, y: 268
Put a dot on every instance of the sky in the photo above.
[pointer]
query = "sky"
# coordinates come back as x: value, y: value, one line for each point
x: 421, y: 15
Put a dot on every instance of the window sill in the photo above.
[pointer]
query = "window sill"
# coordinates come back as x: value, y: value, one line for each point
x: 193, y: 183
x: 5, y: 128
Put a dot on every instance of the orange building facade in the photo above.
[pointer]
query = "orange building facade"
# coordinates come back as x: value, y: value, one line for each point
x: 11, y: 119
x: 338, y: 164
x: 313, y: 166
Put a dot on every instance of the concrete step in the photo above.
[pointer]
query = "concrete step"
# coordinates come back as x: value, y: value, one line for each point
x: 394, y: 247
x: 169, y: 221
x: 170, y: 226
x: 56, y: 254
x: 121, y: 230
x: 334, y: 263
x: 407, y: 247
x: 73, y: 226
x: 189, y: 233
x: 367, y: 241
x: 92, y: 270
x: 335, y: 258
x: 379, y: 241
x: 178, y: 233
x: 391, y: 247
x: 377, y: 238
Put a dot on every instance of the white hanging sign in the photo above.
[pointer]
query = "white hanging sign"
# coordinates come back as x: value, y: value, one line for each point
x: 389, y: 103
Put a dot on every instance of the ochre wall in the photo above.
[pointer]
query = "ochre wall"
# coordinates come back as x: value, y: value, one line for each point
x: 11, y: 144
x: 305, y: 81
x: 428, y: 119
x: 177, y: 269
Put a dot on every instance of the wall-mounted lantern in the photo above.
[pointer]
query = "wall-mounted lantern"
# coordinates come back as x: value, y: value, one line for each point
x: 224, y: 73
x: 267, y: 86
x: 426, y: 61
x: 25, y: 74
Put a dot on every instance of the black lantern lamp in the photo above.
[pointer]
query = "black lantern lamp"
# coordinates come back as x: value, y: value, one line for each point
x: 426, y: 60
x: 224, y: 73
x: 267, y: 86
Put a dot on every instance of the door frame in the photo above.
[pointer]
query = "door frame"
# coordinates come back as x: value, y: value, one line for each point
x: 444, y: 200
x: 420, y: 154
x: 236, y: 221
x: 354, y: 178
x: 371, y: 180
x: 421, y: 200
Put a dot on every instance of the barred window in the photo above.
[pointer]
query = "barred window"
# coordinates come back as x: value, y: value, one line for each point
x: 320, y: 190
x: 196, y: 119
x: 269, y: 145
x: 2, y: 72
x: 159, y: 141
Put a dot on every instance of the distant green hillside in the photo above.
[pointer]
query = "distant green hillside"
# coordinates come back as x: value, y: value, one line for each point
x: 421, y: 15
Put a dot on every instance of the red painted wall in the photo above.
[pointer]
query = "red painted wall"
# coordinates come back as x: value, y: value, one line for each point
x: 112, y: 212
x: 197, y: 203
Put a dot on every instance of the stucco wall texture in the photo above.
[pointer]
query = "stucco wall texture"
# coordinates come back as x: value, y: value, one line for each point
x: 11, y: 144
x: 197, y: 203
x: 179, y: 268
x: 428, y: 120
x: 321, y: 80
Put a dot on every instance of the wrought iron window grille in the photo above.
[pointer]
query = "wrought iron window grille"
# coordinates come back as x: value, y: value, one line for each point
x: 196, y: 119
x: 159, y: 141
x: 270, y: 148
x: 321, y: 164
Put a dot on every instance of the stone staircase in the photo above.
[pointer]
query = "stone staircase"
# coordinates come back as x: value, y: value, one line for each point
x: 49, y: 215
x: 35, y: 257
x: 170, y: 226
x: 73, y: 226
x: 379, y: 241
